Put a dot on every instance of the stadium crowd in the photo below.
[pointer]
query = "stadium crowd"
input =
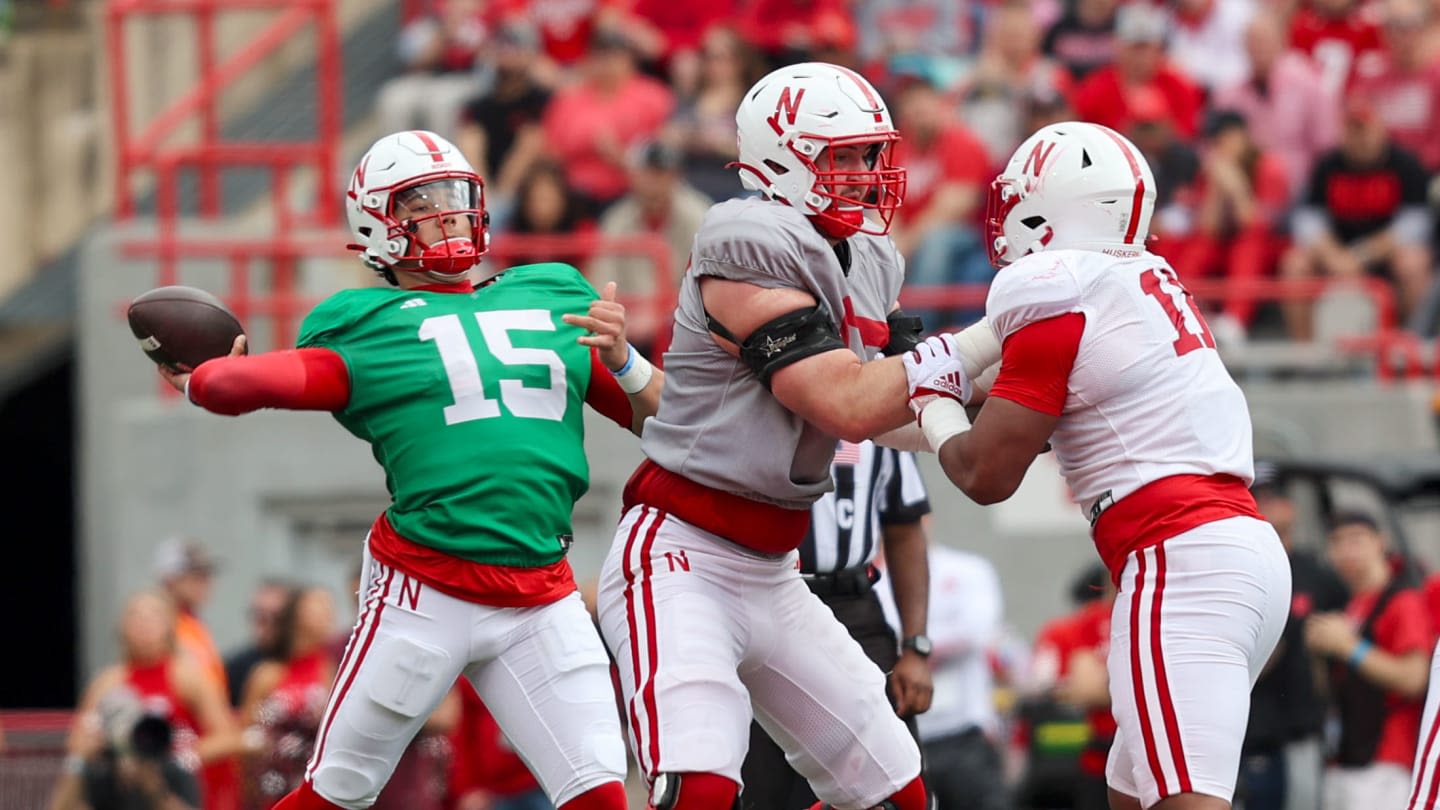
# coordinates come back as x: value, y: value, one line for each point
x: 1289, y: 139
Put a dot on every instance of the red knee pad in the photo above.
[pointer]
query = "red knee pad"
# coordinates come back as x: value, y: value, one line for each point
x: 910, y: 797
x: 305, y: 798
x: 694, y: 790
x: 609, y: 796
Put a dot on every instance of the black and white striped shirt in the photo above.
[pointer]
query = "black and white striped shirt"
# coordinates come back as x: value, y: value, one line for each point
x: 874, y: 486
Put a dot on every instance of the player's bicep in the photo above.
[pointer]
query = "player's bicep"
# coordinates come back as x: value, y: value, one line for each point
x: 739, y: 308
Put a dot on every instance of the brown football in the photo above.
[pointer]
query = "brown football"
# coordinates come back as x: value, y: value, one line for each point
x: 182, y: 327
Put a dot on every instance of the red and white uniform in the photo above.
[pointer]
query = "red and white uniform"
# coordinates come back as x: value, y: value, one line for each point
x: 1154, y: 439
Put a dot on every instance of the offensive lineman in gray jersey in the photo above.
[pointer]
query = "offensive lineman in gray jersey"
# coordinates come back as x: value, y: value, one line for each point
x: 786, y: 301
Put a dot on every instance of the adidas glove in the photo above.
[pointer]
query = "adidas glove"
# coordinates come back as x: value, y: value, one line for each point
x: 933, y: 369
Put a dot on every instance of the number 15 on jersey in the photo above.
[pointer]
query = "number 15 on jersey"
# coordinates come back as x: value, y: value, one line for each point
x: 463, y: 369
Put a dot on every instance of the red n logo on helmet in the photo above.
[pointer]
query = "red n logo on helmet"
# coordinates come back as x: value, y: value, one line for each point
x: 791, y: 107
x: 357, y: 182
x: 1038, y: 155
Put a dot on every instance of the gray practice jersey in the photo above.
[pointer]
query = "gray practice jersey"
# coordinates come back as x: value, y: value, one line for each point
x: 717, y: 424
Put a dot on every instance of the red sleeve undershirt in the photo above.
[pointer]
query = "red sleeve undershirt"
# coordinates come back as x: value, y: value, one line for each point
x: 606, y: 396
x: 318, y: 380
x: 295, y: 379
x: 1035, y: 363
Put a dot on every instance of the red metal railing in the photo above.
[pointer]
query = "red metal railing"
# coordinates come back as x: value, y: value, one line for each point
x: 282, y: 302
x: 150, y: 149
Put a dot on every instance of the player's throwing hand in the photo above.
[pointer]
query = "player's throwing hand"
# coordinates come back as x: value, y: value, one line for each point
x: 605, y: 328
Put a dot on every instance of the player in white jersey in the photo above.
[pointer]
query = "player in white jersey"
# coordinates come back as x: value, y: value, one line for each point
x: 1107, y: 357
x: 786, y: 307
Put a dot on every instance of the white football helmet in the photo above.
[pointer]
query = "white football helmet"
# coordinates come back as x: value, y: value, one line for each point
x: 785, y: 124
x: 408, y: 178
x: 1071, y: 185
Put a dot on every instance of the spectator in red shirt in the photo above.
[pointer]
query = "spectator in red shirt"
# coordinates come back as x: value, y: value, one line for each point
x: 937, y: 227
x: 1106, y: 95
x: 590, y: 126
x: 1379, y: 648
x: 1241, y: 194
x: 1289, y: 110
x: 788, y: 31
x: 1339, y: 35
x: 669, y: 32
x: 566, y: 26
x: 1405, y: 85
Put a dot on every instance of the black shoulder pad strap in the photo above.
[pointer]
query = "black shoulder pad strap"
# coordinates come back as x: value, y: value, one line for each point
x: 905, y: 331
x: 790, y: 338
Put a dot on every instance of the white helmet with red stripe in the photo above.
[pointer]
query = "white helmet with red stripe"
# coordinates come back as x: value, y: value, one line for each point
x: 415, y: 205
x: 791, y: 125
x: 1071, y: 185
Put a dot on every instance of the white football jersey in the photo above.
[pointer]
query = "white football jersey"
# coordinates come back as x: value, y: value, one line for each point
x: 1148, y: 396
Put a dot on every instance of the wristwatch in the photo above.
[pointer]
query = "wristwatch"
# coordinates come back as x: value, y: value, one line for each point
x: 920, y: 643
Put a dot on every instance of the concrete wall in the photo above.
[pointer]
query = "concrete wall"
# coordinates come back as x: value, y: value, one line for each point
x: 292, y: 494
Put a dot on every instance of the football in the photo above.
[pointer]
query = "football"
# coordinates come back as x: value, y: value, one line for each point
x: 182, y: 327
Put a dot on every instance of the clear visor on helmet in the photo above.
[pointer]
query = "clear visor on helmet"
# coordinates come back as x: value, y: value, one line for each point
x: 454, y: 201
x: 442, y: 223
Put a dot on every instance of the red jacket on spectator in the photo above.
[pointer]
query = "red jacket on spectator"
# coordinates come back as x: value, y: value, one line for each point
x: 1102, y: 98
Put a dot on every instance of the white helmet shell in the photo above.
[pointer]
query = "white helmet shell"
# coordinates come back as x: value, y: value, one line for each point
x: 1071, y: 185
x: 397, y: 166
x: 789, y: 118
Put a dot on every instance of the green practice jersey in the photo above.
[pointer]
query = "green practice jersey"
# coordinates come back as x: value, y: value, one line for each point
x: 472, y: 404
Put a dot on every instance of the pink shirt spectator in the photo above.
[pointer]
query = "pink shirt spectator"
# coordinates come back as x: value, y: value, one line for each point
x: 1409, y: 104
x: 1293, y: 115
x: 580, y: 116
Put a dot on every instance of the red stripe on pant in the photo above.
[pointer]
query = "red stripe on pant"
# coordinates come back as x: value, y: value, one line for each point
x: 1137, y: 676
x: 635, y: 639
x: 1162, y: 680
x: 651, y: 636
x: 339, y: 696
x: 1427, y: 769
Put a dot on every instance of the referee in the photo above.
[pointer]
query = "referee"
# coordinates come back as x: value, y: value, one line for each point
x: 879, y: 498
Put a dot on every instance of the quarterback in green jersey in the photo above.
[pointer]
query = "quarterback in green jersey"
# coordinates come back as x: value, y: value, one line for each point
x: 470, y: 399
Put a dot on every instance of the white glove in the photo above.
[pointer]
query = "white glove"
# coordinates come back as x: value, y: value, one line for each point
x: 933, y: 369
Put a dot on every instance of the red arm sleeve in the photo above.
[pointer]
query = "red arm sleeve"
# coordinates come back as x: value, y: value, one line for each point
x: 294, y: 379
x: 1035, y: 363
x: 606, y: 396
